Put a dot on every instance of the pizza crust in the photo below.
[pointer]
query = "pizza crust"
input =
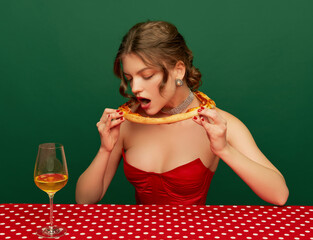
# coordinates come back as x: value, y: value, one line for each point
x: 205, y: 102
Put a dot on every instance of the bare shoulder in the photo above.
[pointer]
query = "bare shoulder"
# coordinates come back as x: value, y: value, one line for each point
x: 236, y: 129
x: 230, y: 119
x: 239, y: 136
x: 124, y: 130
x: 128, y: 131
x: 226, y: 115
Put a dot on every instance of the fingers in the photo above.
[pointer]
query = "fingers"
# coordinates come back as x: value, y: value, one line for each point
x: 114, y: 121
x: 203, y: 121
x: 211, y: 120
x: 210, y: 115
x: 215, y: 126
x: 114, y: 114
x: 109, y: 111
x: 110, y: 118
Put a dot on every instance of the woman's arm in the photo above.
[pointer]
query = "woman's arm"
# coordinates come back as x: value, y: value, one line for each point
x: 233, y: 143
x: 93, y: 183
x: 95, y: 180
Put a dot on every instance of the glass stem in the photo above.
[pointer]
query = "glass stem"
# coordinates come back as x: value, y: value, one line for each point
x: 51, y: 212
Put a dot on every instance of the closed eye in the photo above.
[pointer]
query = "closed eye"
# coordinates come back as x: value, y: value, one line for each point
x: 148, y: 77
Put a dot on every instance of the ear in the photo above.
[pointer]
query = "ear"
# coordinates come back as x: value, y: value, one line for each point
x: 180, y: 70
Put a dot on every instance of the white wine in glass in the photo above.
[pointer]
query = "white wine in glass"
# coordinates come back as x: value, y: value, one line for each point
x: 51, y: 175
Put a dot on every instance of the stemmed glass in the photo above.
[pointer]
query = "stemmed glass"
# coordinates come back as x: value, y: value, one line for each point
x: 51, y: 175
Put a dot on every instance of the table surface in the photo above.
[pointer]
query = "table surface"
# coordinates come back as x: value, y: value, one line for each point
x: 20, y: 221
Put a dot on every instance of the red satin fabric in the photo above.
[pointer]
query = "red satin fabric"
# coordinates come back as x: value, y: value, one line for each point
x: 187, y: 184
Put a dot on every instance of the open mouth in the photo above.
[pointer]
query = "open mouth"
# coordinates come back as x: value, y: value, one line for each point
x: 143, y: 101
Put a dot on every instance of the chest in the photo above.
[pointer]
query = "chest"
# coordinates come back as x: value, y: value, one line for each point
x: 160, y: 148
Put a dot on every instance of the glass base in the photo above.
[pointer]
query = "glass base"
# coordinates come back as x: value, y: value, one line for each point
x: 51, y: 232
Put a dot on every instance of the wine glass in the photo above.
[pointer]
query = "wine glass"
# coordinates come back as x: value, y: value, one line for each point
x: 51, y: 175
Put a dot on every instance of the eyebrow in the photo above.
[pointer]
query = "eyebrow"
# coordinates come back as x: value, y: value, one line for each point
x: 140, y: 71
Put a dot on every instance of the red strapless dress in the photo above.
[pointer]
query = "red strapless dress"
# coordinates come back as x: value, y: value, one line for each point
x: 187, y: 184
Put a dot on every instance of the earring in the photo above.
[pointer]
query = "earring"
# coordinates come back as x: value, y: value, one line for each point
x: 179, y: 82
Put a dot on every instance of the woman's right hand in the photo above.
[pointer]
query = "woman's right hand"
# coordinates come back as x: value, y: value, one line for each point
x: 109, y: 128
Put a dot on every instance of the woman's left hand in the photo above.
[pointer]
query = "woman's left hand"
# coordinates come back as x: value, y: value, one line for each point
x: 232, y: 142
x: 215, y: 126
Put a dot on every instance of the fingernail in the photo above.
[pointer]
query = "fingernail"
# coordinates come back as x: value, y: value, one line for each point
x: 199, y: 110
x: 122, y: 118
x: 195, y: 118
x: 118, y: 110
x: 202, y: 108
x: 202, y: 119
x: 121, y: 113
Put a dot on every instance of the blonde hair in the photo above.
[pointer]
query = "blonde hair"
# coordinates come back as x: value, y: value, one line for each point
x: 158, y: 44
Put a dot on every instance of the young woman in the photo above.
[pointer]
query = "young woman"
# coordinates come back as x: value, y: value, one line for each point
x: 171, y: 163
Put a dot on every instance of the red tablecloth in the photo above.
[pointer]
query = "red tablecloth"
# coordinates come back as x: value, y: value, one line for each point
x: 20, y: 221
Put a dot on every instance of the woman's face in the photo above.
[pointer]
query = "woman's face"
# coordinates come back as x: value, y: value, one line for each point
x: 145, y: 81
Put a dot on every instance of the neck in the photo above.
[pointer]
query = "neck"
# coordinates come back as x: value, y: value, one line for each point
x: 181, y: 106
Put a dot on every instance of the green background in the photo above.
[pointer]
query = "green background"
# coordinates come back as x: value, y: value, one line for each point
x: 56, y: 61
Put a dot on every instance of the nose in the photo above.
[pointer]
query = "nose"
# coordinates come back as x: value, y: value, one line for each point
x: 136, y: 85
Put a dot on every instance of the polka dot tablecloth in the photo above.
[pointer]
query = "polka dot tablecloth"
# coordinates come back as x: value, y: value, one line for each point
x: 20, y: 221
